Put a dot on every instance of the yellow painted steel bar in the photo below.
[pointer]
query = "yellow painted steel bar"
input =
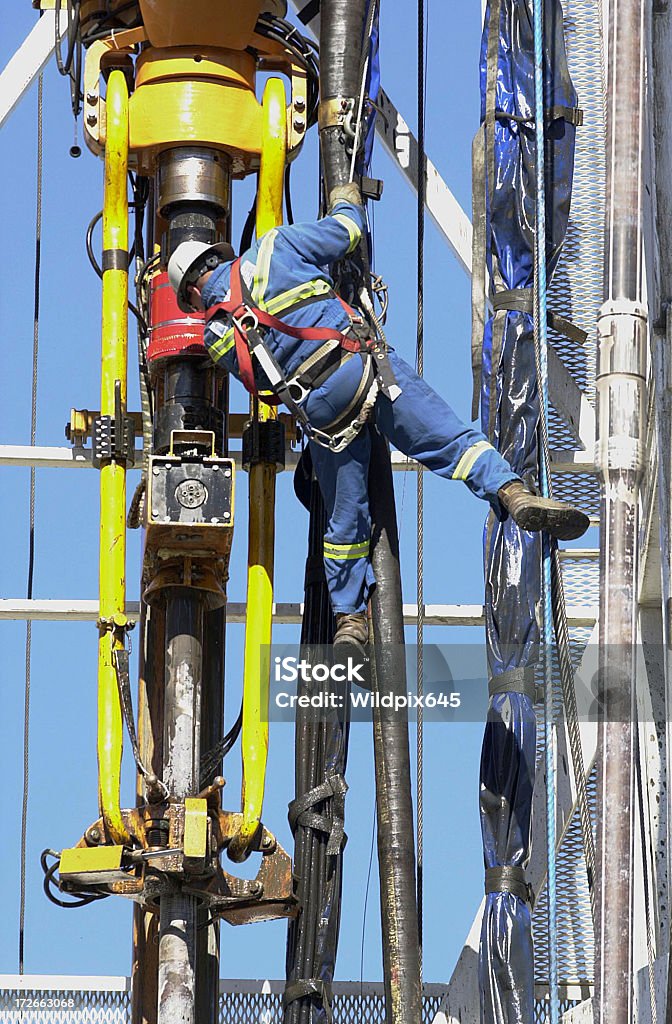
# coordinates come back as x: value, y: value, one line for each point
x: 254, y: 739
x: 113, y: 473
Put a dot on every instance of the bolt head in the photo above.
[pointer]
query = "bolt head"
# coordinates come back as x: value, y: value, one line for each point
x: 300, y: 103
x: 92, y: 98
x: 91, y: 120
x: 299, y: 124
x: 227, y: 515
x: 215, y: 469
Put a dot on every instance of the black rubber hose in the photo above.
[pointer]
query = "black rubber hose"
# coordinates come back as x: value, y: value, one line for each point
x: 321, y: 746
x: 396, y: 847
x: 341, y: 32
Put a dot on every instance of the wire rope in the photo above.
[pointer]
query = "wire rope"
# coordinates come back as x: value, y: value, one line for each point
x: 541, y: 355
x: 31, y: 531
x: 420, y: 584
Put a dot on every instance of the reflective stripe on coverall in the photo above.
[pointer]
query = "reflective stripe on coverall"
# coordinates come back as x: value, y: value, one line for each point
x: 287, y: 265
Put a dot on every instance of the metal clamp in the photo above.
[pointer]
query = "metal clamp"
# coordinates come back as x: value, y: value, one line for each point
x: 114, y: 436
x: 509, y: 878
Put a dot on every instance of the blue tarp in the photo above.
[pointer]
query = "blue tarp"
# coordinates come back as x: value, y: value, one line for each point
x: 510, y: 416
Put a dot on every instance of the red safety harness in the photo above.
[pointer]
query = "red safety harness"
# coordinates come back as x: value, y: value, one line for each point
x: 246, y: 317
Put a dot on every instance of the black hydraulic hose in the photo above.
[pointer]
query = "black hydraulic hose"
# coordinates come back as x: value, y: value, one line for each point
x: 320, y: 749
x: 341, y: 31
x: 396, y: 852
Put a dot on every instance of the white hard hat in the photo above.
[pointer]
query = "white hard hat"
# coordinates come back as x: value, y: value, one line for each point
x: 192, y: 259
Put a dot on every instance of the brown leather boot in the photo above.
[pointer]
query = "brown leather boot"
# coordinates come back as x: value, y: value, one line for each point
x: 351, y: 646
x: 532, y: 512
x: 352, y: 629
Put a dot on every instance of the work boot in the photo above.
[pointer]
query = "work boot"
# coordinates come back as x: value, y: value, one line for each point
x: 350, y: 647
x: 352, y: 631
x: 532, y: 512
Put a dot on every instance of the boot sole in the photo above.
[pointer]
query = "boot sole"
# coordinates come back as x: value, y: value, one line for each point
x: 561, y: 523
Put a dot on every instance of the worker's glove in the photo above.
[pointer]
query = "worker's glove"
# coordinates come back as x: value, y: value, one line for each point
x: 345, y: 194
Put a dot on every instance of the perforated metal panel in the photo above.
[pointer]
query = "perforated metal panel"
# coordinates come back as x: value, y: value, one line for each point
x: 576, y: 289
x: 240, y: 1002
x: 576, y: 943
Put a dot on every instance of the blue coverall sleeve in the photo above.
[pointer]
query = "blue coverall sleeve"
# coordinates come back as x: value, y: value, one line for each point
x: 330, y: 239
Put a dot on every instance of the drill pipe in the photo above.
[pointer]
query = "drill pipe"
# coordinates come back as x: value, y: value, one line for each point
x: 181, y: 755
x: 661, y: 39
x: 189, y: 396
x: 320, y: 744
x: 396, y: 848
x: 621, y: 391
x: 341, y: 32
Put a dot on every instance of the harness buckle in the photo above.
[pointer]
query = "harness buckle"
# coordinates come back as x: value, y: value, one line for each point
x: 298, y: 392
x: 247, y: 321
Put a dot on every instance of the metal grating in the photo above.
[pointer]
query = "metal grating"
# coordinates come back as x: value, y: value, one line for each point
x: 576, y: 289
x: 581, y: 488
x: 240, y: 1002
x: 576, y: 941
x: 581, y: 579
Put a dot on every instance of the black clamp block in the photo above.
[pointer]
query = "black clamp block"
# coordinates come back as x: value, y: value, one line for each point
x: 113, y: 440
x: 371, y: 188
x: 264, y: 442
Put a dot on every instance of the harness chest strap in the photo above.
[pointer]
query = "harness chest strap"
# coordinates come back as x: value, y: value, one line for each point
x: 246, y: 317
x: 238, y: 308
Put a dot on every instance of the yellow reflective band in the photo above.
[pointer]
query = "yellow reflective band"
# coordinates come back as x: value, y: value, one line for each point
x: 263, y: 267
x: 351, y: 227
x: 306, y: 290
x: 278, y: 304
x: 466, y: 463
x: 222, y: 345
x: 346, y: 551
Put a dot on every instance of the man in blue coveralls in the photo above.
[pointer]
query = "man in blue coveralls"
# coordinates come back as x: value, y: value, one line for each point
x: 274, y: 321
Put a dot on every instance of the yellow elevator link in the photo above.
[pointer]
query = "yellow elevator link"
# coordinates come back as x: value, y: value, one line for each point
x: 256, y: 686
x: 113, y: 623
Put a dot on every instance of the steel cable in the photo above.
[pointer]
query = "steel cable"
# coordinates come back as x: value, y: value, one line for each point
x: 31, y: 530
x: 420, y: 363
x: 541, y: 356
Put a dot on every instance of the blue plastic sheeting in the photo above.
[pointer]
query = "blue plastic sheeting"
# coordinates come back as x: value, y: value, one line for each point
x: 372, y: 88
x: 510, y: 416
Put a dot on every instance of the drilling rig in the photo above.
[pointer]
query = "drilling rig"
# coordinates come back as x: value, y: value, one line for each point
x: 182, y: 102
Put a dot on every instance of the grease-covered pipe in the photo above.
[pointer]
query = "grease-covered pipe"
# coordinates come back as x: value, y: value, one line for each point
x: 341, y: 33
x: 396, y: 845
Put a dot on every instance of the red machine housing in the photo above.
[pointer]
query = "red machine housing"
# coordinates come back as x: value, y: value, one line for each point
x: 172, y: 332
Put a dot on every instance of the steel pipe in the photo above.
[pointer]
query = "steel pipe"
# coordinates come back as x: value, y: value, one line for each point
x: 181, y: 756
x: 396, y: 847
x: 341, y: 33
x: 621, y: 397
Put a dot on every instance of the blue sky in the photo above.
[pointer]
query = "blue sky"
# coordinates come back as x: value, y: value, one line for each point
x: 96, y: 940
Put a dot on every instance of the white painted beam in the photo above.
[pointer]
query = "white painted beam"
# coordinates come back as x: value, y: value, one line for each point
x: 56, y: 457
x: 441, y: 204
x: 30, y: 58
x: 570, y: 402
x: 287, y: 613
